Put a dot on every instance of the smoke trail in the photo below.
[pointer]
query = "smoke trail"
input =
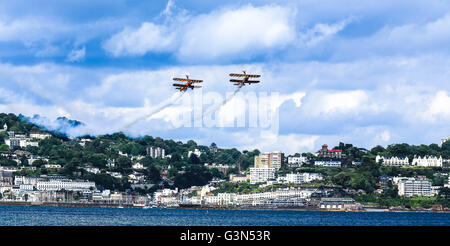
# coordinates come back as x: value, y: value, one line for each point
x: 217, y: 107
x: 157, y: 110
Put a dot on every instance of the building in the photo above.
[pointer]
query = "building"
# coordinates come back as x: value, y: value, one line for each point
x: 326, y: 153
x: 328, y: 163
x: 261, y: 174
x: 300, y: 178
x: 427, y: 161
x: 19, y: 141
x: 156, y: 152
x: 294, y: 161
x: 84, y: 141
x: 414, y: 187
x: 196, y: 152
x: 223, y: 168
x: 52, y: 166
x: 6, y: 178
x: 115, y: 174
x: 138, y: 166
x: 338, y: 203
x: 66, y: 184
x: 274, y: 159
x: 5, y: 128
x: 237, y: 178
x: 91, y: 169
x: 39, y: 135
x: 392, y: 161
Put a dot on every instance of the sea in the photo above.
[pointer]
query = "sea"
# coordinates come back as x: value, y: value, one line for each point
x: 96, y: 216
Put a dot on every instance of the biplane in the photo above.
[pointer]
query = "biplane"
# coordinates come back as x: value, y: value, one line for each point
x: 188, y: 84
x: 245, y: 79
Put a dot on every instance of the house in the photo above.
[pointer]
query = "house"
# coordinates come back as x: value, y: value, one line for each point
x: 392, y: 161
x: 39, y: 135
x: 138, y: 166
x: 91, y: 169
x: 326, y: 153
x: 296, y: 161
x: 236, y: 178
x: 329, y: 163
x: 427, y: 161
x: 196, y: 152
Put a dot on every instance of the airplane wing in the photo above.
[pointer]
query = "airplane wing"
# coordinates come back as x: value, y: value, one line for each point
x: 196, y: 80
x: 179, y: 85
x: 253, y: 75
x: 236, y: 75
x: 251, y: 81
x: 235, y: 80
x: 179, y: 79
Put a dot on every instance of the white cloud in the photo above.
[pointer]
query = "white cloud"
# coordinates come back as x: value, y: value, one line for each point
x: 438, y: 107
x: 147, y: 38
x: 218, y: 34
x: 77, y: 55
x: 351, y: 101
x: 323, y: 31
x: 247, y: 29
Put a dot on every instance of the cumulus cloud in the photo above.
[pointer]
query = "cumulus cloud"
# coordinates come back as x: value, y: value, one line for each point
x: 218, y: 34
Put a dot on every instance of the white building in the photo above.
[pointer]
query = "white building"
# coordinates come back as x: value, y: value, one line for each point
x: 52, y: 166
x: 448, y: 183
x: 40, y: 135
x: 156, y: 152
x: 20, y: 141
x: 392, y: 161
x: 66, y: 184
x: 261, y: 174
x: 300, y: 178
x: 414, y: 187
x: 294, y: 161
x: 196, y: 152
x: 138, y: 166
x: 115, y: 174
x: 91, y: 169
x: 327, y: 163
x: 427, y: 161
x: 83, y: 141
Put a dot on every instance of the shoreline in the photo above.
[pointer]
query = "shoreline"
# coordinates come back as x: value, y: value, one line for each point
x: 113, y: 205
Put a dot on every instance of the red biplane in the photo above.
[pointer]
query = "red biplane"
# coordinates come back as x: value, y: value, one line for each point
x: 188, y: 84
x: 245, y: 78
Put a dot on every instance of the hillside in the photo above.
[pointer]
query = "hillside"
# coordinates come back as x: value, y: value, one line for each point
x: 124, y: 151
x: 75, y: 155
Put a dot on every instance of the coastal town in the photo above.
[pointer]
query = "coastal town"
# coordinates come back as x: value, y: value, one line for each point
x: 34, y: 171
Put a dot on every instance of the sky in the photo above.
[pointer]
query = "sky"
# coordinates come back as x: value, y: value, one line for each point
x: 362, y: 72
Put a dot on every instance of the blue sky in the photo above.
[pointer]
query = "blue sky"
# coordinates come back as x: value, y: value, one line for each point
x: 368, y: 73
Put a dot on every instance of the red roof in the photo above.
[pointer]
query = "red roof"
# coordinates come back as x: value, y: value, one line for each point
x: 324, y: 145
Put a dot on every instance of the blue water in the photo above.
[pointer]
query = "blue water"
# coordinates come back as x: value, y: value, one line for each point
x: 68, y: 216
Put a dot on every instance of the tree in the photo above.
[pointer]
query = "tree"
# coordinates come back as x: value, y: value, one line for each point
x: 153, y: 174
x: 193, y: 159
x: 4, y: 148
